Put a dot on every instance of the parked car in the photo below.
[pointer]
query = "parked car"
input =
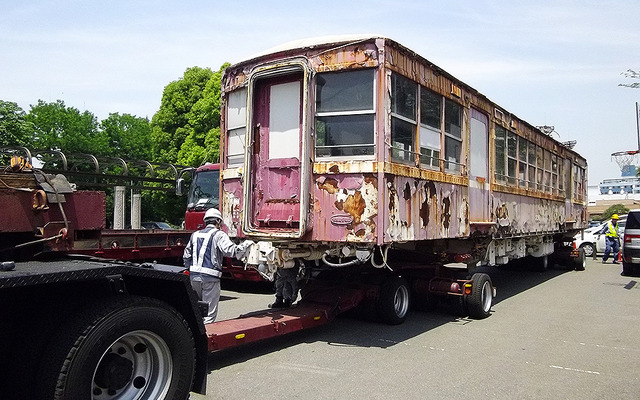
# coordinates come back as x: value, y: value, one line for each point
x: 631, y: 245
x: 593, y: 242
x: 156, y: 225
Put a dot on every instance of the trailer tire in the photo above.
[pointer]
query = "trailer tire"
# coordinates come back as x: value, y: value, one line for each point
x: 132, y: 347
x: 393, y: 302
x: 481, y: 298
x: 580, y: 262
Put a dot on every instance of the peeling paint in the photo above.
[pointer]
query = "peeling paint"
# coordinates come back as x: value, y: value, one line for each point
x: 329, y: 185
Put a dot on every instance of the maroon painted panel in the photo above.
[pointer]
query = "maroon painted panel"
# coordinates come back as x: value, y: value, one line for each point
x: 276, y: 182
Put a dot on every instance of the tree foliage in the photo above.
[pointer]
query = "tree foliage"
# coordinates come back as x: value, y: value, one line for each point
x: 14, y: 128
x: 57, y: 127
x: 614, y: 209
x: 186, y: 128
x: 184, y: 131
x: 129, y: 137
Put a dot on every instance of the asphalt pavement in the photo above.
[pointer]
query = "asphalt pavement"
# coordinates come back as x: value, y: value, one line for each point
x: 560, y: 334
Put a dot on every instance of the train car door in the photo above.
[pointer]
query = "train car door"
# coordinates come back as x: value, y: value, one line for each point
x: 479, y: 167
x: 275, y: 156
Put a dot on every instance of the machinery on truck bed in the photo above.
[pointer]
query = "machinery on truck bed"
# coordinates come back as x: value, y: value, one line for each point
x: 371, y: 166
x: 82, y: 328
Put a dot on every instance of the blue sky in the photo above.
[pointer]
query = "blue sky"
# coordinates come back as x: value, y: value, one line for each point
x: 553, y: 63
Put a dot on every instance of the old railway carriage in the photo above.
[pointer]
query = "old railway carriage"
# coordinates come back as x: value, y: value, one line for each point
x: 355, y: 153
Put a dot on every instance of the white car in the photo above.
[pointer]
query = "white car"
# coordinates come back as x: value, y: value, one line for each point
x: 593, y: 242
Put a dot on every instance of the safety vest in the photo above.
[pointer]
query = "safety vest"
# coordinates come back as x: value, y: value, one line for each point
x: 612, y: 231
x: 203, y: 252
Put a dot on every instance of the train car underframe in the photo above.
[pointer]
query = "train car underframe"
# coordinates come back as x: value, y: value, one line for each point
x: 381, y: 283
x: 421, y: 271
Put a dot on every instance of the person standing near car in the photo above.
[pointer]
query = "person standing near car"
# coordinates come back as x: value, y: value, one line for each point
x: 203, y: 255
x: 612, y: 240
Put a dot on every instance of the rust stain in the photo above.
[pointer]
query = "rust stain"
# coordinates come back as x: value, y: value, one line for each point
x: 502, y: 212
x: 392, y: 197
x: 446, y: 212
x: 335, y: 169
x: 355, y: 205
x: 371, y: 180
x: 406, y: 193
x: 329, y: 185
x: 282, y: 201
x: 430, y: 198
x: 424, y: 212
x: 431, y: 189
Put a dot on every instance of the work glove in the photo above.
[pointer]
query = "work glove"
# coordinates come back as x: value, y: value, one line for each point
x: 246, y: 244
x: 242, y: 249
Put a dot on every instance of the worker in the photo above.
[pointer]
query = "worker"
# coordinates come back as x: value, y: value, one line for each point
x: 286, y: 287
x: 611, y: 240
x: 203, y: 255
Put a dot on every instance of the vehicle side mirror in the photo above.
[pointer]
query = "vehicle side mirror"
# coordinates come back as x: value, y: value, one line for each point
x: 179, y: 186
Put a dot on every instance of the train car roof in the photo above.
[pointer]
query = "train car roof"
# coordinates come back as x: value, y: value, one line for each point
x: 316, y: 41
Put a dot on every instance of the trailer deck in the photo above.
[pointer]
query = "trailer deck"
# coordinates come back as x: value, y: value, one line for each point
x: 317, y: 309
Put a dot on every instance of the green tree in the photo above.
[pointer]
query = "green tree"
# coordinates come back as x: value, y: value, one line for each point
x: 58, y: 127
x: 186, y: 128
x: 614, y: 209
x: 129, y: 136
x: 14, y: 128
x: 186, y: 131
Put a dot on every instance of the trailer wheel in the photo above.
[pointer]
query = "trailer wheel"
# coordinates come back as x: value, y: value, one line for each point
x: 129, y: 348
x: 580, y: 262
x: 481, y: 298
x: 393, y: 303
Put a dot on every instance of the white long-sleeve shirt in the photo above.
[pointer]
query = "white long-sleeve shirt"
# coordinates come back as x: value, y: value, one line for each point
x: 205, y: 251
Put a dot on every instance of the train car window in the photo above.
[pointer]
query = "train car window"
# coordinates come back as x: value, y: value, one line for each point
x: 430, y: 128
x: 512, y: 162
x: 522, y: 162
x: 554, y: 173
x: 403, y: 118
x: 453, y: 133
x: 236, y: 127
x: 500, y: 150
x: 345, y: 115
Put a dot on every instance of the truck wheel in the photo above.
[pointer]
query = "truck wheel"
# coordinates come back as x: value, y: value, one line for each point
x: 393, y: 303
x: 580, y: 262
x: 481, y: 298
x: 128, y: 348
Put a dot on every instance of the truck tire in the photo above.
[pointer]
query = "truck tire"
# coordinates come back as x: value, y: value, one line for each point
x: 481, y: 298
x: 393, y: 302
x: 125, y: 348
x: 580, y: 262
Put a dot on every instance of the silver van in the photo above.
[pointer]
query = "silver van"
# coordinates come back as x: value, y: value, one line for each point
x: 631, y: 245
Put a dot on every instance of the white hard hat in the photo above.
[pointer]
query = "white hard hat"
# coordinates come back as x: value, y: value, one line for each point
x: 212, y: 213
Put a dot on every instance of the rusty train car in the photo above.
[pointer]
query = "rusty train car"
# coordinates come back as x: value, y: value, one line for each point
x: 355, y: 153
